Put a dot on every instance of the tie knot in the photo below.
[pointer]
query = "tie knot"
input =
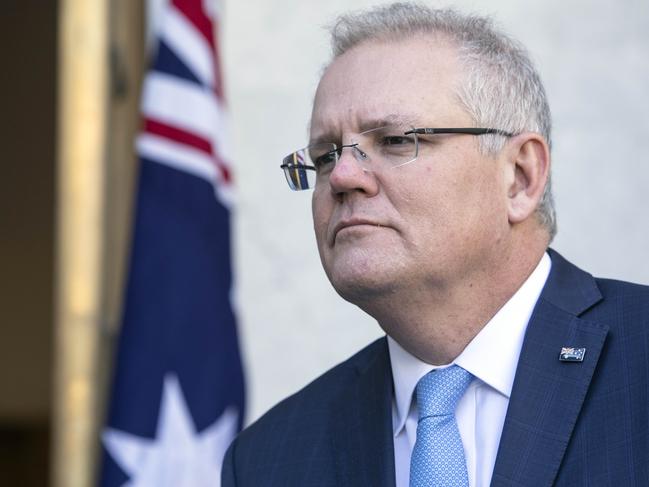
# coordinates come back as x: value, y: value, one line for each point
x: 439, y: 391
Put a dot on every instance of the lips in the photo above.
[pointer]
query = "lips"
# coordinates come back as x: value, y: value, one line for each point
x: 353, y: 222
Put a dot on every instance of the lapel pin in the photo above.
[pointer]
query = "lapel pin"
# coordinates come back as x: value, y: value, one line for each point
x: 571, y: 354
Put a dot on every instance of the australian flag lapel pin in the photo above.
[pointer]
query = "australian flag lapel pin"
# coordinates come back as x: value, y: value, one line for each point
x: 572, y: 354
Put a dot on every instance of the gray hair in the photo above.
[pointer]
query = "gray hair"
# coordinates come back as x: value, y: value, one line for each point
x: 502, y: 88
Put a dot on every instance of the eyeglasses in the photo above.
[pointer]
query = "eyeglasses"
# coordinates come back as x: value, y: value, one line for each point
x: 389, y: 146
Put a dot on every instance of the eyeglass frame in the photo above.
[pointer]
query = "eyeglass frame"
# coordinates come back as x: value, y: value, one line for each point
x: 416, y: 131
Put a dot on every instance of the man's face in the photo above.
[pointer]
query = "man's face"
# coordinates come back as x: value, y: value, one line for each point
x: 434, y: 222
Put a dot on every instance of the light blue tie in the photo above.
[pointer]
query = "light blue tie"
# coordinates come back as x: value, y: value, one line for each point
x: 438, y: 456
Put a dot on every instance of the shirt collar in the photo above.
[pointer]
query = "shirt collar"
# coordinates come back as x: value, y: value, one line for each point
x: 504, y: 333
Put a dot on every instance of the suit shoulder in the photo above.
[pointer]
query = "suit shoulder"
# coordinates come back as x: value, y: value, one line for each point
x: 623, y: 308
x: 578, y: 292
x: 623, y: 289
x: 624, y: 303
x: 317, y: 395
x: 292, y: 444
x: 619, y: 295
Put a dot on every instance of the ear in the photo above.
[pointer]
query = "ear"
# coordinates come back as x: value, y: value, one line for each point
x: 528, y: 168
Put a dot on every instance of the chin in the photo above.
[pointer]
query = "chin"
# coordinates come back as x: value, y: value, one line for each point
x: 358, y: 273
x: 358, y: 284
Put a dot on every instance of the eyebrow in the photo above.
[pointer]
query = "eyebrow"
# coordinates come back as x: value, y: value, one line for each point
x: 330, y: 135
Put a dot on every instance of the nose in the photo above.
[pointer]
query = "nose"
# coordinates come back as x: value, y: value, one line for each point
x: 350, y: 174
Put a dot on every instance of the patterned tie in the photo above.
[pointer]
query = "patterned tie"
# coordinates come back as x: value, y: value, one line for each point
x: 438, y: 456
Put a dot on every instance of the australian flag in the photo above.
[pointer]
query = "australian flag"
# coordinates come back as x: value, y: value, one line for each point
x: 177, y: 396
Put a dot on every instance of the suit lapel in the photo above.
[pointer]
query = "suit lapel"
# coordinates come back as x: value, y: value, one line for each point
x: 548, y: 394
x: 362, y: 436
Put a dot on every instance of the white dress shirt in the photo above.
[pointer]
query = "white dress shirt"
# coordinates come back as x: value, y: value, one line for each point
x: 491, y: 357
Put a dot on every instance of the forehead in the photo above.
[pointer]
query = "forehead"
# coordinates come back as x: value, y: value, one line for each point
x: 413, y: 80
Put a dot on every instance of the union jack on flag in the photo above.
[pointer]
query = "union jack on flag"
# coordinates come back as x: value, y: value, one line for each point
x: 178, y: 396
x: 182, y: 100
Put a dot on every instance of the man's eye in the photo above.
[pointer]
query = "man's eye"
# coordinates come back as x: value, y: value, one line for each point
x: 396, y: 140
x: 396, y: 145
x: 322, y: 161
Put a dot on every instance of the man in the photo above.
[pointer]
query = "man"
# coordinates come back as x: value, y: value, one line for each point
x: 429, y: 161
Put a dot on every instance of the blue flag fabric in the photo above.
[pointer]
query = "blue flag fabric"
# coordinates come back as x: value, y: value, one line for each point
x: 178, y: 393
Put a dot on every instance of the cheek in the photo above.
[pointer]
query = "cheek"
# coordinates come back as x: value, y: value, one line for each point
x: 454, y: 198
x: 321, y: 211
x: 481, y: 210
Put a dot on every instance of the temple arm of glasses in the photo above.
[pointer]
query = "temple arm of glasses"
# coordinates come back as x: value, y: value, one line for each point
x: 460, y: 130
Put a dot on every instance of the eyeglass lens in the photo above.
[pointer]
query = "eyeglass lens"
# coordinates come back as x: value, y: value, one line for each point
x: 386, y: 146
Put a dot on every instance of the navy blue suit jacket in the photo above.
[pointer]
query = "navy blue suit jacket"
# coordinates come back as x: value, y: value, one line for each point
x: 568, y: 424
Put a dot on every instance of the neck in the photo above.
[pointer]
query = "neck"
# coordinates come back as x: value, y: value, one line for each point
x: 435, y: 322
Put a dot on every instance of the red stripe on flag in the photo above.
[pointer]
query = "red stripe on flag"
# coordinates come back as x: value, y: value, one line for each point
x: 193, y: 10
x: 223, y: 169
x: 187, y: 138
x: 177, y: 135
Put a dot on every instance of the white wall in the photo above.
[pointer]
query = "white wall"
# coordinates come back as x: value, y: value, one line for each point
x: 593, y: 56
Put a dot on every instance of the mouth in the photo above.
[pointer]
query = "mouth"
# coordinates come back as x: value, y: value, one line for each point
x: 353, y: 223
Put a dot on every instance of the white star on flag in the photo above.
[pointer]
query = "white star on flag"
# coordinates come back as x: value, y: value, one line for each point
x: 179, y: 456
